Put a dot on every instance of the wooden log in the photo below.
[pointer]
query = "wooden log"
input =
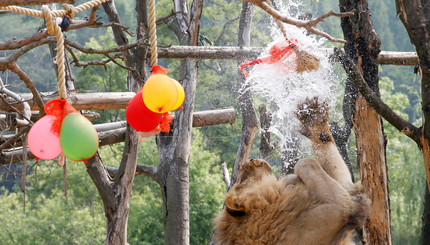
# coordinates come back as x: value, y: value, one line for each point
x: 80, y: 101
x: 32, y: 2
x: 397, y: 58
x: 209, y: 52
x: 214, y: 117
x: 241, y: 53
x: 112, y: 133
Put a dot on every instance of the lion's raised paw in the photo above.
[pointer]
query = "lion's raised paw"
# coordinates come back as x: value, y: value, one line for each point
x: 313, y: 115
x: 312, y: 112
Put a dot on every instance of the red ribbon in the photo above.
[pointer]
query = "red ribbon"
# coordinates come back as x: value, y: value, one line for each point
x: 278, y: 52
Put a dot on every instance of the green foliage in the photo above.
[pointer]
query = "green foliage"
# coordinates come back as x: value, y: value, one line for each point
x: 50, y: 217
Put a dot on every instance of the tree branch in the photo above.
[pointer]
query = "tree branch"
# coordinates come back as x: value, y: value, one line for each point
x: 141, y: 170
x: 308, y: 25
x: 30, y: 85
x: 371, y: 97
x: 102, y: 180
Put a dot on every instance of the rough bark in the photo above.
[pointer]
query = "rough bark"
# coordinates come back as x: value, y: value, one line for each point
x: 415, y: 15
x: 174, y: 147
x: 373, y: 172
x: 115, y: 193
x: 363, y: 47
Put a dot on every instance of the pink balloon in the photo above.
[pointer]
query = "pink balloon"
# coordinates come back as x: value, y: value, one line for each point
x: 44, y: 143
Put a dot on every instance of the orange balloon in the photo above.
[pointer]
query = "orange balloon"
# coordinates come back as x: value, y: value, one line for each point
x: 160, y: 94
x: 181, y: 95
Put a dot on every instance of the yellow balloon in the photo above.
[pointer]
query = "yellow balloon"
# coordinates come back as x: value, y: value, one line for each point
x: 181, y: 95
x: 160, y: 93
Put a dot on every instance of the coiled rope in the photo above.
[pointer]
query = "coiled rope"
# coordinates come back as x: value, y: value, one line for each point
x: 54, y: 30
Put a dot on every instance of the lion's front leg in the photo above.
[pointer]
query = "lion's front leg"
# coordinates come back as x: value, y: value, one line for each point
x: 314, y: 117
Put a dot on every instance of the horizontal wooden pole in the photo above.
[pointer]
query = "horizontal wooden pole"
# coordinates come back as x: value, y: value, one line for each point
x: 241, y: 53
x: 112, y: 133
x: 4, y: 3
x: 80, y: 101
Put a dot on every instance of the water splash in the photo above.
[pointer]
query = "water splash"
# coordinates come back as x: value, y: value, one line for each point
x: 283, y: 91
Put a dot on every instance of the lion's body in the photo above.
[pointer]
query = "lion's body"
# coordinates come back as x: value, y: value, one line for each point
x: 317, y: 205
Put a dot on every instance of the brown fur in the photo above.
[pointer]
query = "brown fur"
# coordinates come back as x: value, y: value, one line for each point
x: 317, y: 205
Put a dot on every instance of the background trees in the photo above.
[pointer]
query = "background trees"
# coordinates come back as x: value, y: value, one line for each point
x: 210, y: 147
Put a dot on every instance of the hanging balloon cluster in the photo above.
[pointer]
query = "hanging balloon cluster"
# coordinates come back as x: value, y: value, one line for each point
x: 148, y: 109
x: 63, y: 129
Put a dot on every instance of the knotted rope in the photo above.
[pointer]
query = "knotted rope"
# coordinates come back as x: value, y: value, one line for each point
x: 54, y: 29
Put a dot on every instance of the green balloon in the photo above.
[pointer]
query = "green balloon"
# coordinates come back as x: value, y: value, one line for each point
x: 78, y: 137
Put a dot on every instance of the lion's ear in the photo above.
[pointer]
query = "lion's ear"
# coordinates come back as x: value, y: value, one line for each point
x: 233, y: 206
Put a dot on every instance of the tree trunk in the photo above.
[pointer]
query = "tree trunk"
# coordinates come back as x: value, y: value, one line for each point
x: 174, y: 147
x: 373, y: 172
x: 363, y: 47
x: 115, y: 193
x: 415, y: 15
x: 249, y: 115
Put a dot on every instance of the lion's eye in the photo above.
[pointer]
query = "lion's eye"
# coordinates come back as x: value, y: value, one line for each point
x: 236, y: 214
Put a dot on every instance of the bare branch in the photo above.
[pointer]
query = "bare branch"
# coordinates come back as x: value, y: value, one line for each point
x: 373, y: 99
x: 13, y: 139
x: 26, y: 112
x: 30, y: 85
x: 308, y: 25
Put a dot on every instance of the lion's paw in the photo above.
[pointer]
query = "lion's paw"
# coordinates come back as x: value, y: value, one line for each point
x: 313, y: 115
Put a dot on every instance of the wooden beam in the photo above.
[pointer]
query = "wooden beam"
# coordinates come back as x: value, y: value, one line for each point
x: 32, y: 2
x: 80, y: 101
x: 397, y: 58
x: 112, y: 133
x: 241, y: 53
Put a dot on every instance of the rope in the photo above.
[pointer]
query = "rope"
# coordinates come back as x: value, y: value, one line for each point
x: 153, y: 33
x: 55, y: 13
x: 54, y: 30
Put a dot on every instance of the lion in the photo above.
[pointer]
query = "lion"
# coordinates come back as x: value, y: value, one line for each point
x: 317, y: 205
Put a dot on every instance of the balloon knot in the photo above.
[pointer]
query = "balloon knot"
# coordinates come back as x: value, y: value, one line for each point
x: 166, y: 120
x: 159, y: 70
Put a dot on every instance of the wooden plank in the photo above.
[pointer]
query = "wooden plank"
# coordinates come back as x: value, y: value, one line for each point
x: 80, y: 101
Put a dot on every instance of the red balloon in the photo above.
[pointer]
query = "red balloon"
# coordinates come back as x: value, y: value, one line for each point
x: 139, y: 116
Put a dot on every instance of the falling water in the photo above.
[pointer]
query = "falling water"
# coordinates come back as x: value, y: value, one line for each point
x: 282, y: 92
